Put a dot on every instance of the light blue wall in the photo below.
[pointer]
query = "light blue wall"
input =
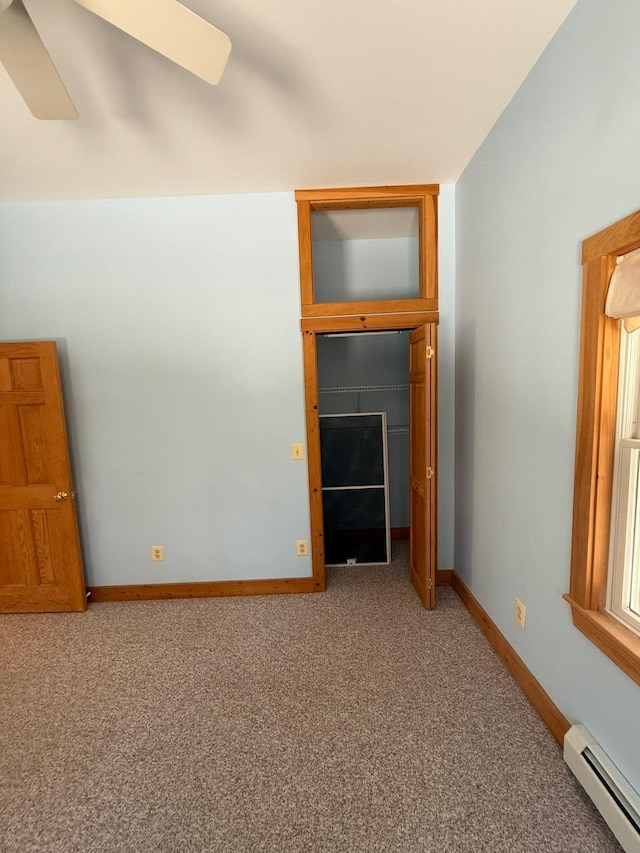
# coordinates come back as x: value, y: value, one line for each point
x: 561, y: 163
x: 178, y: 326
x: 181, y: 402
x: 353, y: 270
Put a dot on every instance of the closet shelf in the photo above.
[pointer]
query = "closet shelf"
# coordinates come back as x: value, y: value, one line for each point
x: 346, y: 389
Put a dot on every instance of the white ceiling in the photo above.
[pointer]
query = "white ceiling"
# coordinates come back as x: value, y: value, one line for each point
x: 316, y: 94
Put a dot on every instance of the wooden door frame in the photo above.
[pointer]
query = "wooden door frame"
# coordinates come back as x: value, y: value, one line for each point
x: 423, y: 551
x: 311, y: 327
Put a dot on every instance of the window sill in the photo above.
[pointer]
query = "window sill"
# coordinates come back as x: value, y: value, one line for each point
x: 618, y: 642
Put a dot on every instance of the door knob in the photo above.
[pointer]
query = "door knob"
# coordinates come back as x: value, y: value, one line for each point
x: 61, y: 496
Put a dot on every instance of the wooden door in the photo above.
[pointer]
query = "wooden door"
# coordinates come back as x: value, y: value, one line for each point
x: 422, y: 461
x: 40, y: 561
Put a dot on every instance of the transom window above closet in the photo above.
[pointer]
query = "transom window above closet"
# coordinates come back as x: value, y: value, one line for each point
x: 365, y: 254
x: 368, y: 251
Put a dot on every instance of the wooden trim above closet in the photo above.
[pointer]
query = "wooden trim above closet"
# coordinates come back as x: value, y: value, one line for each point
x: 369, y: 322
x: 424, y: 197
x: 367, y: 203
x: 305, y: 253
x: 365, y: 194
x: 386, y: 306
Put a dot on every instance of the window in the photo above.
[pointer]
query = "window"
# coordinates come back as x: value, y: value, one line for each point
x: 623, y: 598
x: 605, y: 553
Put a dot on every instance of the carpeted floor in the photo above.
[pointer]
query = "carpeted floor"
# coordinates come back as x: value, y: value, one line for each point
x: 349, y: 721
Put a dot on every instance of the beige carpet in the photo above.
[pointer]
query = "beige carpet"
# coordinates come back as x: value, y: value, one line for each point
x: 350, y: 721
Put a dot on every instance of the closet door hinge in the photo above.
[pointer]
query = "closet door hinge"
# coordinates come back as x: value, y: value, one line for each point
x: 430, y: 352
x: 429, y: 583
x: 429, y: 473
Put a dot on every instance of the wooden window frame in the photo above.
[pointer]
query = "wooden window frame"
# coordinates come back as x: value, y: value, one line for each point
x: 422, y: 196
x: 595, y: 446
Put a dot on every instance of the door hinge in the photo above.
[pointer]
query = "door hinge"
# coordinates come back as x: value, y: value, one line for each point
x: 430, y: 352
x: 429, y: 473
x: 429, y: 583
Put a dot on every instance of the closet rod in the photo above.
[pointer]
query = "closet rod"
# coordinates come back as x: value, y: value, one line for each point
x: 345, y: 389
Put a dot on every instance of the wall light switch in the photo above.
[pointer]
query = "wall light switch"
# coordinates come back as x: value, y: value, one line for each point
x: 297, y: 451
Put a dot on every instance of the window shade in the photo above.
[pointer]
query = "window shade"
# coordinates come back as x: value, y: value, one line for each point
x: 623, y: 295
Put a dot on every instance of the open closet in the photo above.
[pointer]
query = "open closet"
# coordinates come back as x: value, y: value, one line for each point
x: 369, y: 318
x: 364, y: 440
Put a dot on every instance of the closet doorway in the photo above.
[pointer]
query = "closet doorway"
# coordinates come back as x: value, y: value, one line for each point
x: 363, y: 392
x: 389, y: 373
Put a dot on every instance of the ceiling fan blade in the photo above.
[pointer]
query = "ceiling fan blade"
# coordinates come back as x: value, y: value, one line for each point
x: 171, y: 29
x: 29, y: 65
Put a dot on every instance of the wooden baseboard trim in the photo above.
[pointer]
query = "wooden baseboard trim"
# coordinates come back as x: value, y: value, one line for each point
x: 554, y: 720
x: 400, y: 532
x: 218, y: 589
x: 202, y: 589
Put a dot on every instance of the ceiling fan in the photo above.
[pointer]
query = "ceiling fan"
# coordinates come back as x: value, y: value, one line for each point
x: 164, y: 25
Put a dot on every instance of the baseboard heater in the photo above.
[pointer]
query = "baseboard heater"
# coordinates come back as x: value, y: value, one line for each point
x: 612, y: 795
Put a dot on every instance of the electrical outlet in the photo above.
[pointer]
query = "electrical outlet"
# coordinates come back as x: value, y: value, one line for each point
x: 297, y: 451
x: 157, y: 553
x: 521, y: 613
x: 352, y: 561
x: 302, y: 548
